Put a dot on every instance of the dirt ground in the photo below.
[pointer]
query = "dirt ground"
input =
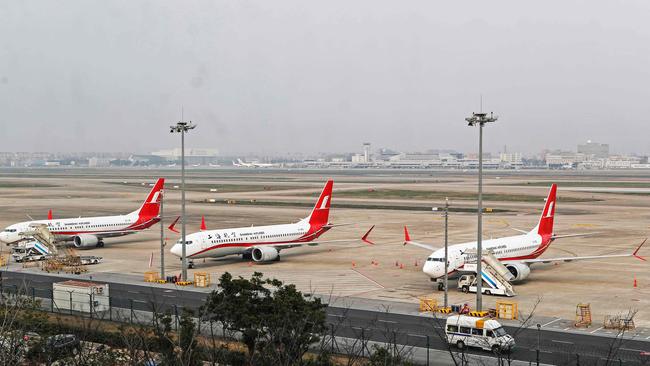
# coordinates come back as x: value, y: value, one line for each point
x: 616, y: 205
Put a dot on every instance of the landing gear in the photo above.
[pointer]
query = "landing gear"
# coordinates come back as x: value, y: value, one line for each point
x: 190, y: 264
x: 441, y: 286
x: 100, y: 244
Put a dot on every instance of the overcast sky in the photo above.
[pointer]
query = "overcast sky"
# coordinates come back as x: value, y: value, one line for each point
x: 314, y: 76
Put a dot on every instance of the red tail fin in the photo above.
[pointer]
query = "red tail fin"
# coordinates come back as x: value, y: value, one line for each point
x: 151, y: 206
x: 545, y: 226
x: 203, y: 226
x: 321, y: 212
x: 49, y: 214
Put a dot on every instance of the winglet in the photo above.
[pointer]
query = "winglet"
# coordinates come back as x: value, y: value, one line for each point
x: 203, y: 227
x: 49, y: 214
x: 365, y: 237
x: 172, y: 226
x: 637, y: 250
x: 407, y: 237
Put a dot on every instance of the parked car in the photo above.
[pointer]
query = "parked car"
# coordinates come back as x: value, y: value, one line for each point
x: 61, y: 345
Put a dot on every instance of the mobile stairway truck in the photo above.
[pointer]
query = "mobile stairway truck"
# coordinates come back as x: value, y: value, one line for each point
x: 496, y: 277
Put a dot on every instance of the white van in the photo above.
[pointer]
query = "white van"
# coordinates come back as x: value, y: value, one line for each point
x: 468, y: 331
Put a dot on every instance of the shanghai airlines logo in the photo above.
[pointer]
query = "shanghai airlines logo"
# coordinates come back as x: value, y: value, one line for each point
x: 325, y: 200
x: 154, y: 199
x: 549, y: 213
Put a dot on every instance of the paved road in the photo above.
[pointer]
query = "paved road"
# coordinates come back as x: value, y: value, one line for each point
x: 556, y: 347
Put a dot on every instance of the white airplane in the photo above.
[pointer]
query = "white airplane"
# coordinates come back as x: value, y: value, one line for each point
x: 517, y: 253
x: 253, y: 164
x: 85, y: 232
x: 264, y: 243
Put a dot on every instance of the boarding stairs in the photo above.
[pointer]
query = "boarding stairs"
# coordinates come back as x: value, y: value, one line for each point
x: 494, y: 274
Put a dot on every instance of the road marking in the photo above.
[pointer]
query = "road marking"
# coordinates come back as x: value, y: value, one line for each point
x: 551, y: 322
x: 387, y: 321
x: 631, y: 349
x: 648, y: 337
x: 335, y: 315
x: 416, y: 335
x: 567, y: 328
x: 565, y: 342
x: 595, y: 330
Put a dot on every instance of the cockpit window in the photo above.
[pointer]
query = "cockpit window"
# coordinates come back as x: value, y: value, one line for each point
x: 433, y: 259
x: 10, y: 230
x: 188, y: 242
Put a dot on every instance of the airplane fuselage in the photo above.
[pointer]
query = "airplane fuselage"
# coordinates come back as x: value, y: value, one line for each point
x: 507, y: 249
x: 223, y: 242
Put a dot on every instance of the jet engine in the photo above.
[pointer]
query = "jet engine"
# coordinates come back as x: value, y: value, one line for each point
x: 265, y: 254
x: 519, y: 270
x: 85, y: 241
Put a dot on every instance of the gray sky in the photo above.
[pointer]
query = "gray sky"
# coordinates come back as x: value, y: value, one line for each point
x: 306, y: 76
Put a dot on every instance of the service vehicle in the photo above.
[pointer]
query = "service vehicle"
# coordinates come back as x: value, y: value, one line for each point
x: 468, y: 331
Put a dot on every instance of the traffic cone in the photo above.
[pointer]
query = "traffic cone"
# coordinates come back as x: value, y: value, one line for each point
x: 250, y: 264
x: 415, y: 264
x: 634, y: 281
x: 401, y: 266
x: 354, y: 264
x: 396, y: 264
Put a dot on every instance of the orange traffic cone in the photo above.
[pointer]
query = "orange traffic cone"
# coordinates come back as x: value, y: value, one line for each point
x: 634, y: 281
x: 354, y: 264
x: 401, y: 266
x: 250, y: 264
x: 396, y: 264
x: 415, y: 264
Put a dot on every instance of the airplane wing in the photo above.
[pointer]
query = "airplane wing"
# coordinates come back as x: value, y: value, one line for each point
x: 572, y: 235
x: 407, y: 240
x: 571, y: 259
x: 364, y: 238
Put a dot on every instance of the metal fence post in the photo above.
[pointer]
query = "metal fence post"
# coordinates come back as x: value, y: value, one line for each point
x: 33, y: 294
x: 131, y: 304
x: 176, y: 317
x: 110, y: 309
x: 363, y: 342
x: 70, y: 302
x: 332, y: 340
x: 90, y: 305
x: 427, y: 350
x: 52, y: 302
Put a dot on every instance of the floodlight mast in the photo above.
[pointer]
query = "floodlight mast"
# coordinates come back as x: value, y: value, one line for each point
x: 182, y: 128
x: 480, y: 119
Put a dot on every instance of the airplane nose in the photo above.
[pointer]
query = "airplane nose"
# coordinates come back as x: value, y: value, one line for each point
x: 176, y: 250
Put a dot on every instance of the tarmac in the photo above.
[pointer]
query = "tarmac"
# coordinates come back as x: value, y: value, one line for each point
x: 387, y: 272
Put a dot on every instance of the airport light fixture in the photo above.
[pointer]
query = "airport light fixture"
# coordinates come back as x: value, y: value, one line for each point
x: 183, y: 128
x: 480, y: 119
x: 446, y: 278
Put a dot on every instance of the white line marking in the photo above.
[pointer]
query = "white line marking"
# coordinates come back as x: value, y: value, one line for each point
x: 567, y: 328
x: 595, y: 330
x: 552, y: 321
x: 387, y: 321
x: 565, y: 342
x: 416, y: 335
x: 633, y: 350
x: 648, y: 337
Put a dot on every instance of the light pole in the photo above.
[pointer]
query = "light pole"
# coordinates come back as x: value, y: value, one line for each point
x: 480, y: 119
x: 162, y: 235
x: 182, y: 128
x: 446, y: 278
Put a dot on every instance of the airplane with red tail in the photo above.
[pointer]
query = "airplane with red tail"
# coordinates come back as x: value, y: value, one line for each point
x: 87, y: 232
x: 264, y: 243
x: 516, y: 253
